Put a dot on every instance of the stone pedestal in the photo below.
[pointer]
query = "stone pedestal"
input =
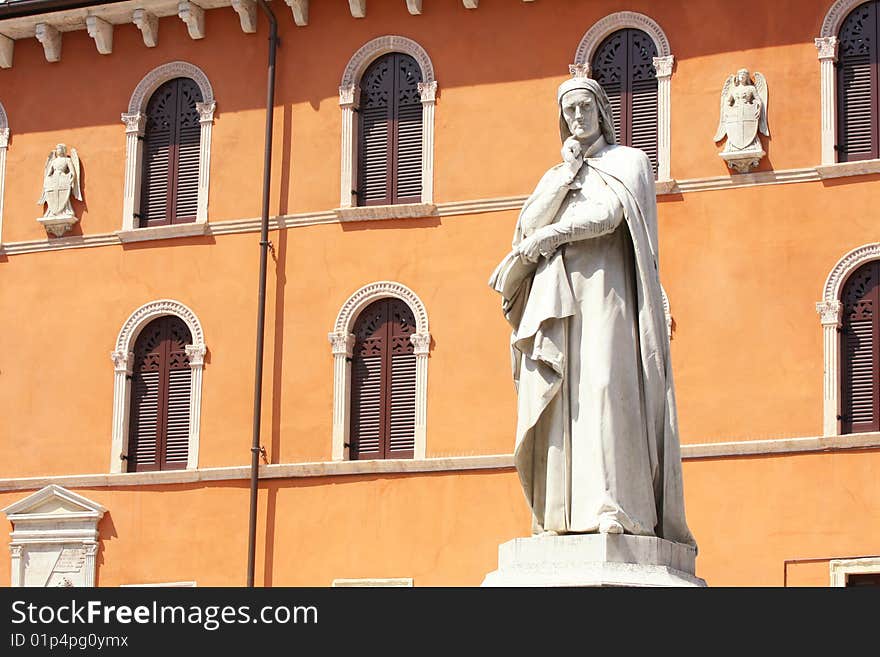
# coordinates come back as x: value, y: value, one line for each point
x: 594, y: 560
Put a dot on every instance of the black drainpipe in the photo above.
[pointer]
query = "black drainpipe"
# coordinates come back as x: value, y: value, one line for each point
x: 261, y: 303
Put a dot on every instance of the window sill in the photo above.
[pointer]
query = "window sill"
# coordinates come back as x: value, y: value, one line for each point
x: 841, y: 169
x: 162, y: 232
x: 370, y: 212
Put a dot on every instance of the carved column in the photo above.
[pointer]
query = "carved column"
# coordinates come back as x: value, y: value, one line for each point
x: 134, y: 134
x: 830, y: 314
x: 17, y: 572
x: 122, y: 362
x: 343, y: 343
x: 827, y: 47
x: 90, y: 551
x: 428, y: 93
x: 348, y: 100
x: 206, y: 119
x: 196, y: 354
x: 422, y: 344
x: 4, y: 142
x: 663, y: 66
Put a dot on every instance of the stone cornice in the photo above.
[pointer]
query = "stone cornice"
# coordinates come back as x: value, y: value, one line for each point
x: 692, y: 452
x: 447, y: 209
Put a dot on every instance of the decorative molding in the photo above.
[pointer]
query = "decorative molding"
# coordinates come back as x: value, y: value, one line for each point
x: 342, y: 340
x: 7, y: 50
x: 401, y: 211
x: 712, y: 183
x: 122, y: 357
x: 358, y: 8
x: 54, y: 538
x: 618, y: 21
x: 827, y: 47
x: 247, y: 14
x: 833, y: 287
x: 842, y: 169
x: 50, y: 37
x: 349, y: 94
x: 414, y: 7
x: 836, y: 15
x: 274, y: 471
x: 148, y: 24
x: 471, y: 4
x: 663, y: 64
x: 374, y: 582
x: 194, y: 17
x: 689, y: 452
x: 102, y: 32
x: 300, y: 9
x: 841, y: 569
x: 137, y: 107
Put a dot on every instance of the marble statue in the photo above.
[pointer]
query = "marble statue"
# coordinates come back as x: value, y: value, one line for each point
x: 743, y: 115
x: 597, y: 447
x: 61, y: 180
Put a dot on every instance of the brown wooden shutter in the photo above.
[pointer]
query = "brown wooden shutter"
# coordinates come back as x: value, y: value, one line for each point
x: 160, y: 396
x: 624, y: 65
x: 390, y: 132
x: 860, y: 347
x: 857, y: 85
x: 170, y: 179
x: 383, y: 383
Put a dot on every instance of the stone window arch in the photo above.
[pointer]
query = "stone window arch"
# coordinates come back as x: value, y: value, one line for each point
x: 342, y: 340
x: 135, y: 123
x: 123, y: 357
x: 663, y: 64
x: 827, y: 45
x: 830, y: 310
x: 349, y: 98
x: 4, y: 142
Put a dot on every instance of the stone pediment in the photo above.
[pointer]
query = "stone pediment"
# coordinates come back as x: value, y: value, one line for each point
x: 54, y: 501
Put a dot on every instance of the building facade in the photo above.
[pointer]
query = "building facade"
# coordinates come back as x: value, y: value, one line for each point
x: 406, y: 137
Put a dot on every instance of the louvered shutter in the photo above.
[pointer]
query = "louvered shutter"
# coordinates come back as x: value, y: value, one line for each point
x: 170, y: 179
x: 160, y: 397
x: 390, y: 134
x: 383, y: 383
x: 860, y: 347
x: 857, y: 85
x: 624, y: 65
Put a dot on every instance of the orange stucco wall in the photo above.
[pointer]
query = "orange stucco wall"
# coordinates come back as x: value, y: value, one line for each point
x: 743, y: 269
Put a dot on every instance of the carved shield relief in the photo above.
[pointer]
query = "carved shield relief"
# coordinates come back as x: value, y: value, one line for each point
x: 741, y: 123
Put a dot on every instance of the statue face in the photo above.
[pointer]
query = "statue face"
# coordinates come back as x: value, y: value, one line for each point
x: 581, y: 112
x: 742, y: 76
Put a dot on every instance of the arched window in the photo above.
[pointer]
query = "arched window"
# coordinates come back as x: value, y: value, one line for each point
x: 860, y: 350
x: 161, y: 390
x: 168, y: 129
x: 857, y: 84
x: 624, y: 65
x: 170, y: 176
x: 390, y: 130
x: 157, y: 391
x: 383, y: 375
x: 380, y: 344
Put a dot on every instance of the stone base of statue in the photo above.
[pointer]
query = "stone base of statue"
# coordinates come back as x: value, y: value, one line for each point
x: 743, y: 161
x: 594, y: 560
x: 57, y: 226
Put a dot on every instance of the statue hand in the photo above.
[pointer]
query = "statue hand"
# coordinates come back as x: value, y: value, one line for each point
x: 572, y: 155
x: 539, y: 243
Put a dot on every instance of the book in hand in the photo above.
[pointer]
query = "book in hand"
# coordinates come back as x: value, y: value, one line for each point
x: 510, y: 274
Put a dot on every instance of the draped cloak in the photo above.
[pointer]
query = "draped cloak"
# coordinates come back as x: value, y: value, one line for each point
x: 541, y: 309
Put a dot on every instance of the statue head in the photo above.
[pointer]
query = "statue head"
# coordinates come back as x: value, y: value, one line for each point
x: 579, y: 88
x: 60, y: 150
x: 742, y: 77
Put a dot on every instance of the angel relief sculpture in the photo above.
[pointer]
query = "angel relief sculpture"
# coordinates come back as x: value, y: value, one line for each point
x: 61, y: 180
x: 743, y: 116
